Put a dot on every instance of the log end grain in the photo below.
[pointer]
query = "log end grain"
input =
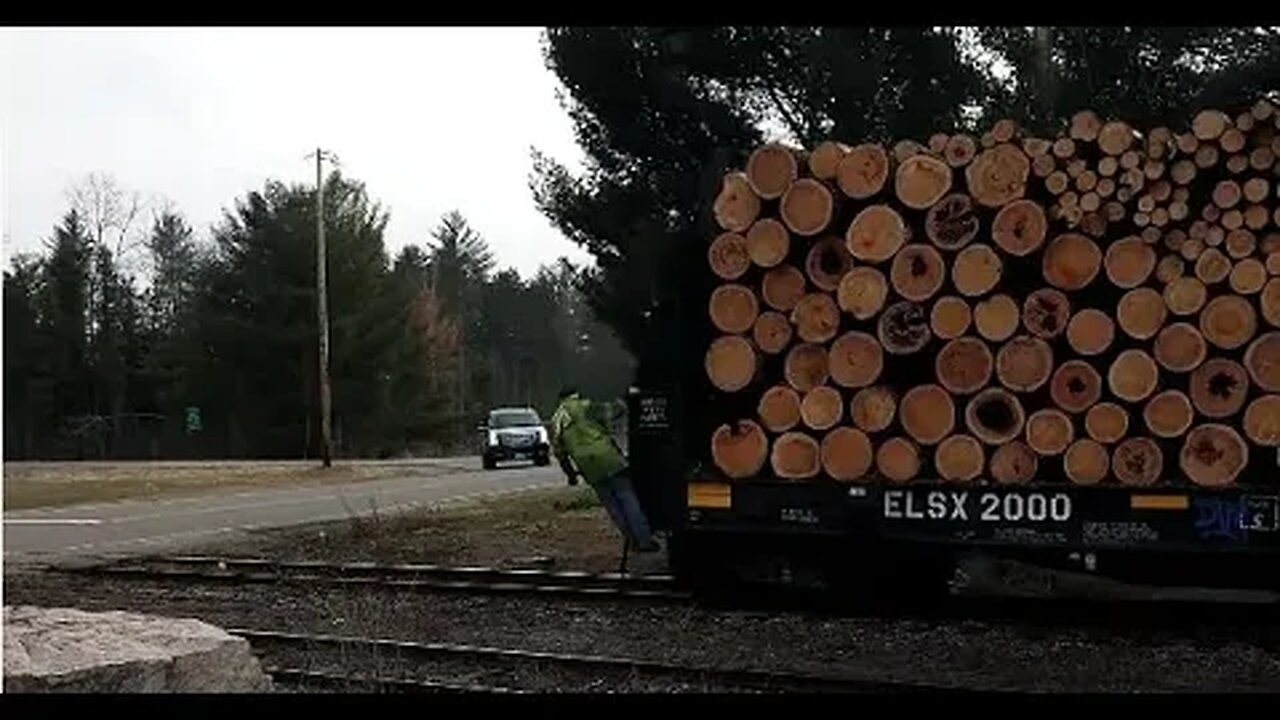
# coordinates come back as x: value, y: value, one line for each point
x: 739, y: 449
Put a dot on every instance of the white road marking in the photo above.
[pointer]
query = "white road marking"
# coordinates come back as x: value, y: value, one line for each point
x: 52, y: 521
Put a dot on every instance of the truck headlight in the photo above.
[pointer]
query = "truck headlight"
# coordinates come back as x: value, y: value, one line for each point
x: 542, y: 436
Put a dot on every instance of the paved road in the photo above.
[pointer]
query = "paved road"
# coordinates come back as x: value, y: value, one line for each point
x: 144, y: 526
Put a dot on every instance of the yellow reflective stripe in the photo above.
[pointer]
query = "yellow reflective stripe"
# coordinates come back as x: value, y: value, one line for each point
x: 1159, y: 502
x: 710, y: 495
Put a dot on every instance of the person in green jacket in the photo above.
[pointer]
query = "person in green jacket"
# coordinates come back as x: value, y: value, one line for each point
x: 585, y: 448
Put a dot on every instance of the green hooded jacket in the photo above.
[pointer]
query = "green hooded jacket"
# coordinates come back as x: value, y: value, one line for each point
x: 584, y: 440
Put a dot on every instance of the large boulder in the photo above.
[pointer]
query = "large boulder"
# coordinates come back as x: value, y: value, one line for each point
x: 67, y: 650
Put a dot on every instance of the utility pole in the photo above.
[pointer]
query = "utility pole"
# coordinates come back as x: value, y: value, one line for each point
x: 322, y: 313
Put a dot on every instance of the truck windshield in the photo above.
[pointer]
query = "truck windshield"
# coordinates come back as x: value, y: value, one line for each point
x: 513, y: 418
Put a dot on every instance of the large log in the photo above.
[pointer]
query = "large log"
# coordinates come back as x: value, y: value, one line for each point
x: 737, y: 205
x: 807, y: 207
x: 1180, y: 347
x: 768, y: 242
x: 739, y: 449
x: 964, y: 365
x: 976, y: 270
x: 1075, y: 386
x: 772, y: 332
x: 998, y: 176
x: 1269, y: 300
x: 1228, y: 321
x: 1141, y: 313
x: 1071, y: 261
x: 855, y: 360
x: 1213, y: 455
x: 1090, y: 332
x: 728, y: 256
x: 996, y: 318
x: 898, y: 459
x: 1185, y: 295
x: 994, y: 416
x: 1262, y: 421
x: 1115, y: 138
x: 917, y: 272
x: 771, y: 169
x: 806, y: 366
x: 795, y: 456
x: 1046, y: 313
x: 1019, y: 228
x: 1133, y: 375
x: 1106, y: 422
x: 730, y: 363
x: 1213, y: 266
x: 1024, y: 363
x: 862, y: 292
x: 1168, y: 414
x: 816, y: 317
x: 779, y: 409
x: 1240, y: 243
x: 1262, y: 360
x: 904, y: 328
x: 1049, y: 431
x: 782, y: 288
x: 927, y: 414
x: 950, y: 317
x: 1129, y: 262
x: 821, y: 408
x: 825, y: 159
x: 874, y: 408
x: 1248, y: 276
x: 921, y: 181
x: 1013, y: 463
x: 1085, y: 126
x: 951, y: 223
x: 959, y: 458
x: 876, y: 233
x: 1138, y: 462
x: 1086, y: 462
x: 1210, y: 124
x: 827, y: 263
x: 733, y: 308
x: 862, y: 172
x: 846, y: 454
x: 1218, y: 387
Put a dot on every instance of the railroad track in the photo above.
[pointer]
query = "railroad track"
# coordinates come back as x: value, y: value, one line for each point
x: 327, y: 661
x: 430, y: 577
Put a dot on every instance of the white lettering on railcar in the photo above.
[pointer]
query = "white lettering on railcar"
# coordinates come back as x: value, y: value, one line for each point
x: 992, y: 507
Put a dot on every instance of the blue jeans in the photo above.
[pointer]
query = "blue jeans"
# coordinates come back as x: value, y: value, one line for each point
x: 620, y: 501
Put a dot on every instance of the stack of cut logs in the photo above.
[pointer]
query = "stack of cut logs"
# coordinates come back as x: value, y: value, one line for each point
x: 1097, y: 307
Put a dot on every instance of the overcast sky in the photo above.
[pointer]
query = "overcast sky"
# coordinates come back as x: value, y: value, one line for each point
x: 430, y: 120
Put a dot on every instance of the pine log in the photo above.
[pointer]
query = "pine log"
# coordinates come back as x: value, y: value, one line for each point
x: 1090, y: 202
x: 1213, y: 455
x: 1186, y: 143
x: 737, y: 205
x: 733, y: 308
x: 739, y: 449
x: 1108, y: 167
x: 1262, y: 421
x: 846, y: 454
x: 1140, y: 313
x: 1024, y: 363
x: 827, y: 262
x: 1019, y: 227
x: 862, y: 292
x: 1262, y: 110
x: 1063, y: 148
x: 1036, y: 147
x: 876, y: 233
x: 1218, y: 387
x: 855, y: 360
x: 1180, y: 347
x: 1210, y: 124
x: 917, y: 272
x: 873, y: 409
x: 1228, y: 321
x: 1013, y: 463
x: 1168, y: 414
x: 1130, y: 160
x: 1086, y: 462
x: 994, y: 416
x: 1227, y: 194
x: 1173, y: 240
x: 728, y: 256
x: 806, y: 367
x: 771, y: 332
x: 1160, y: 217
x: 816, y: 317
x: 921, y: 181
x: 730, y: 363
x: 1159, y: 143
x: 964, y: 365
x: 1086, y: 181
x: 821, y: 408
x: 998, y: 176
x: 1071, y: 261
x: 782, y: 288
x: 951, y: 223
x: 1046, y: 313
x: 959, y: 458
x: 960, y: 150
x: 950, y: 317
x: 898, y: 459
x: 1076, y: 168
x: 1149, y: 236
x: 807, y: 207
x: 1256, y: 190
x: 1237, y: 163
x: 904, y: 150
x: 1106, y: 422
x: 1085, y: 126
x: 1256, y: 217
x: 996, y: 318
x: 1090, y: 332
x: 1115, y: 138
x: 1138, y: 462
x: 1232, y: 219
x: 1248, y: 276
x: 1075, y: 386
x: 779, y: 409
x: 1244, y: 122
x: 1153, y: 170
x: 1185, y: 295
x: 904, y: 328
x: 825, y: 159
x: 1206, y: 157
x: 976, y: 270
x: 938, y: 142
x: 1262, y: 158
x: 1057, y: 182
x: 795, y: 456
x: 863, y: 171
x: 1129, y: 262
x: 1042, y: 166
x: 1210, y: 213
x: 1262, y: 360
x: 927, y: 414
x: 1240, y: 243
x: 1213, y: 266
x: 1049, y: 431
x: 1004, y: 130
x: 1183, y: 172
x: 1133, y: 375
x: 1170, y: 268
x: 768, y: 242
